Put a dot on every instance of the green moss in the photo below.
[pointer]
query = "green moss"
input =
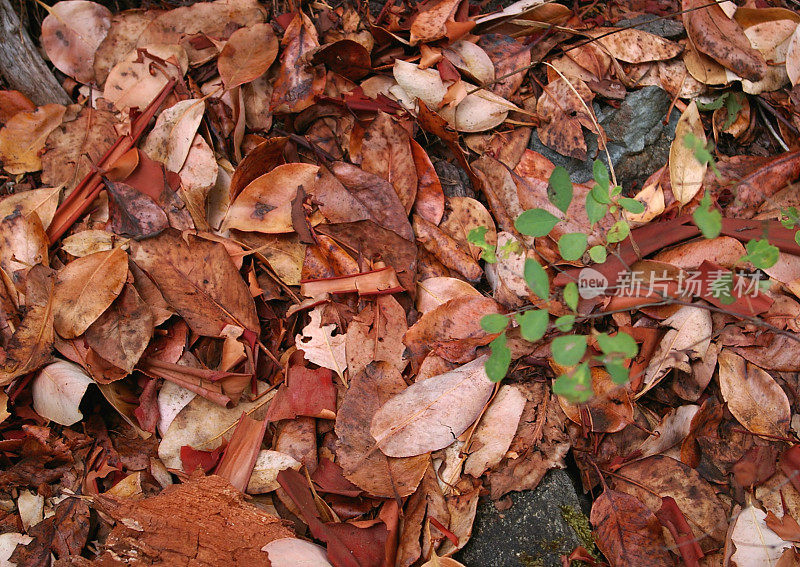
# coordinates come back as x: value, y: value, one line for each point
x: 580, y: 525
x: 527, y: 560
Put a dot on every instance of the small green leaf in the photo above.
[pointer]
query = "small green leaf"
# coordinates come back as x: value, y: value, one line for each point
x: 713, y: 105
x: 797, y: 237
x: 494, y: 323
x: 761, y: 254
x: 632, y: 205
x: 536, y: 222
x: 571, y: 295
x: 565, y: 323
x: 533, y: 324
x: 733, y: 104
x: 619, y: 373
x: 594, y: 210
x: 600, y: 195
x: 621, y: 343
x: 559, y: 189
x: 536, y: 278
x: 499, y: 360
x: 701, y: 152
x: 477, y: 236
x: 722, y: 288
x: 575, y: 387
x: 708, y: 220
x: 790, y: 217
x: 618, y: 232
x: 600, y: 172
x: 616, y: 190
x: 598, y: 253
x: 568, y: 350
x: 572, y: 245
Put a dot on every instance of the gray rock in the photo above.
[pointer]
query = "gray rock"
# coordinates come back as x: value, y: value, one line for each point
x: 667, y: 28
x: 638, y: 139
x: 534, y: 532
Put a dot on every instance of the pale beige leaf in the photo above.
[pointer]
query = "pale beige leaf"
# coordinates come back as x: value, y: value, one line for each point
x: 468, y: 57
x: 635, y: 46
x: 428, y: 415
x: 293, y: 552
x: 495, y: 430
x: 71, y: 34
x: 57, y: 392
x: 793, y: 57
x: 130, y: 82
x: 674, y: 427
x: 171, y: 138
x: 685, y: 171
x: 753, y: 396
x: 756, y: 544
x: 85, y: 288
x: 264, y: 477
x: 320, y: 346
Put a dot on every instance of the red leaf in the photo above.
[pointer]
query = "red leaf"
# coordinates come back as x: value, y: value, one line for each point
x: 305, y: 392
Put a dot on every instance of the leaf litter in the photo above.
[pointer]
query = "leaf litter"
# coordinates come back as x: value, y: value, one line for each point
x: 236, y: 283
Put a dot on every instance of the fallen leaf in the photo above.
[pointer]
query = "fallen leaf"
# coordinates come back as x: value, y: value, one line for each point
x: 429, y: 414
x: 362, y: 464
x: 198, y: 280
x: 627, y: 532
x: 42, y: 202
x: 58, y: 390
x: 495, y: 431
x: 24, y: 135
x: 131, y: 84
x: 293, y: 552
x: 247, y: 55
x: 635, y: 46
x: 715, y: 34
x: 265, y: 472
x: 753, y: 396
x: 433, y: 292
x: 429, y: 23
x: 320, y: 346
x: 387, y: 153
x: 755, y: 543
x: 85, y: 288
x: 122, y: 333
x: 71, y: 33
x: 376, y: 334
x: 134, y: 214
x: 171, y: 138
x: 298, y: 82
x: 686, y: 172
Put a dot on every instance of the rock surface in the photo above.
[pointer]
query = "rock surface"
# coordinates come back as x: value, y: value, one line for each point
x: 638, y: 138
x: 534, y: 532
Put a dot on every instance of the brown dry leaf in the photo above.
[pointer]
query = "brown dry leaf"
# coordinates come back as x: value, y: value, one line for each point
x: 24, y: 135
x: 723, y: 250
x: 688, y: 338
x: 472, y: 60
x: 686, y: 172
x: 793, y: 58
x: 12, y: 102
x: 627, y: 532
x: 247, y: 55
x: 198, y: 174
x: 495, y: 431
x: 718, y: 36
x: 387, y: 153
x: 429, y: 23
x: 298, y: 82
x: 30, y: 346
x: 130, y: 82
x: 635, y: 46
x: 376, y: 334
x: 433, y: 292
x: 205, y: 521
x: 134, y: 214
x: 429, y: 414
x: 74, y: 147
x: 446, y: 249
x: 85, y: 288
x: 71, y: 33
x: 199, y: 280
x: 451, y: 330
x: 659, y: 476
x: 507, y: 55
x: 753, y: 396
x: 462, y: 215
x: 320, y: 346
x: 42, y: 202
x: 367, y: 468
x: 218, y: 20
x: 609, y: 410
x: 23, y: 244
x: 429, y: 203
x: 565, y: 116
x: 171, y: 138
x: 57, y: 391
x: 265, y: 205
x: 126, y: 27
x: 671, y: 431
x: 121, y: 334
